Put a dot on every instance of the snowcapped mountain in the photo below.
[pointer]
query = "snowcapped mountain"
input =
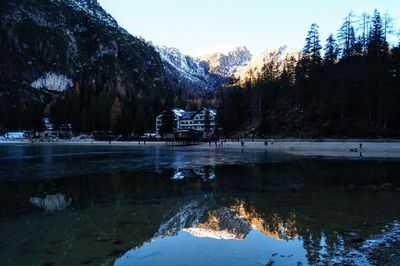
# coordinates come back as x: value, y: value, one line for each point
x: 196, y: 75
x: 184, y: 71
x: 225, y: 63
x: 277, y: 56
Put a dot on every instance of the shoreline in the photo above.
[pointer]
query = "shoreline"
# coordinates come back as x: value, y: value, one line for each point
x: 324, y: 147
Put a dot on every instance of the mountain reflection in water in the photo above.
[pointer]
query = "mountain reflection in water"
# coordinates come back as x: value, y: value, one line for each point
x: 304, y: 211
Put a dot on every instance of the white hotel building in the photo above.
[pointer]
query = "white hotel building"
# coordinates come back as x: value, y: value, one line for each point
x: 190, y: 120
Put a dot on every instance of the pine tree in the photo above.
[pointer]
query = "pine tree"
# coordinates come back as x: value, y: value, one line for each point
x: 312, y: 49
x: 115, y: 114
x: 377, y: 44
x: 388, y: 25
x: 347, y: 37
x: 127, y: 118
x: 168, y: 124
x: 364, y: 27
x: 331, y: 50
x: 139, y: 119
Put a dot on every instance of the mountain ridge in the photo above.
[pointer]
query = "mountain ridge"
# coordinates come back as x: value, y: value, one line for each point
x: 188, y: 73
x: 277, y: 56
x: 226, y: 63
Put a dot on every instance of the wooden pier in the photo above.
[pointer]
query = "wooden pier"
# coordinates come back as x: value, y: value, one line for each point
x: 182, y: 142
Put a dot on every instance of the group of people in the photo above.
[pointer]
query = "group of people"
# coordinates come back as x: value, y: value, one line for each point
x: 220, y: 143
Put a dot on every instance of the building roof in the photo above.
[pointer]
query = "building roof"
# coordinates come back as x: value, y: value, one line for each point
x: 179, y: 112
x: 188, y: 115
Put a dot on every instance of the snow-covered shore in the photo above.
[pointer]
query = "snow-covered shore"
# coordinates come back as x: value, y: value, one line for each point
x: 326, y: 147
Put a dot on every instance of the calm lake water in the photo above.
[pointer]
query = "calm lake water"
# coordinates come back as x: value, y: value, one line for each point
x: 101, y: 205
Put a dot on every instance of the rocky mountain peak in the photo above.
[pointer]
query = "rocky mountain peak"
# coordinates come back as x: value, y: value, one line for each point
x: 225, y: 63
x: 278, y: 56
x: 186, y: 72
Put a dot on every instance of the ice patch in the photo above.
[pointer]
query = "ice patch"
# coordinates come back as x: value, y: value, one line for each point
x: 53, y: 82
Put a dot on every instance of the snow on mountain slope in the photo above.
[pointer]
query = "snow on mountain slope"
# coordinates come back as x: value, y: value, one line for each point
x: 225, y: 63
x: 277, y: 56
x: 186, y: 71
x: 207, y: 72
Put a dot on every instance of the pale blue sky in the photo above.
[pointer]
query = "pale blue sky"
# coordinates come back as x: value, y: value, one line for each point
x: 194, y: 26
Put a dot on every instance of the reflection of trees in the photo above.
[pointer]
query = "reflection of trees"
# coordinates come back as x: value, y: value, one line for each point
x: 204, y: 173
x: 284, y: 223
x: 233, y: 217
x: 328, y: 223
x: 312, y: 245
x: 90, y: 190
x: 308, y: 175
x: 310, y: 200
x: 276, y: 227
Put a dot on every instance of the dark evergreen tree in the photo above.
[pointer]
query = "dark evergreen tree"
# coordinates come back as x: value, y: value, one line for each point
x: 364, y: 26
x: 115, y: 115
x: 347, y: 37
x: 140, y: 119
x: 377, y: 44
x: 331, y: 50
x: 388, y: 25
x: 168, y: 123
x: 127, y: 125
x: 312, y: 49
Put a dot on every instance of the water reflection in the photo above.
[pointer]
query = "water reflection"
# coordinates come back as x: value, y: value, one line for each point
x: 243, y: 219
x: 222, y: 223
x: 51, y: 203
x: 205, y: 173
x: 305, y: 211
x: 55, y: 161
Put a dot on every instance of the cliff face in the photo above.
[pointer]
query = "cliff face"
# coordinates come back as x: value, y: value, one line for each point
x: 278, y: 57
x: 189, y: 74
x: 226, y: 63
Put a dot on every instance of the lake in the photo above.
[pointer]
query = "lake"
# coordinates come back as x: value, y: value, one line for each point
x: 107, y: 205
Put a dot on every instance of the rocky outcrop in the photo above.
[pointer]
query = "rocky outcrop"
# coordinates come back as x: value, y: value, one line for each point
x: 226, y: 63
x: 276, y: 56
x: 188, y: 74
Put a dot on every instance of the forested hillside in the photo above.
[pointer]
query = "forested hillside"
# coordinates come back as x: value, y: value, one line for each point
x: 348, y: 88
x: 69, y: 60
